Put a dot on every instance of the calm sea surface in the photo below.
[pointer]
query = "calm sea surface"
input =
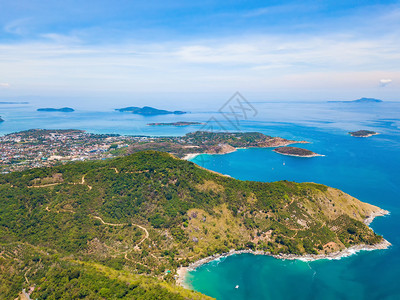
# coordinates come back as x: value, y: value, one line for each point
x: 366, y: 168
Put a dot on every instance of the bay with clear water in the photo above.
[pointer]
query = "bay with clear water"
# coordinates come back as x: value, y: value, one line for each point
x: 366, y: 168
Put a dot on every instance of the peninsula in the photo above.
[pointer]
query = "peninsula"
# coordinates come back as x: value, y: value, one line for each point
x: 363, y: 133
x: 175, y: 124
x: 205, y: 142
x: 149, y: 111
x: 294, y: 151
x: 126, y: 226
x: 64, y: 109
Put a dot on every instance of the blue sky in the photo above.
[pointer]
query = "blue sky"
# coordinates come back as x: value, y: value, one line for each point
x: 269, y: 50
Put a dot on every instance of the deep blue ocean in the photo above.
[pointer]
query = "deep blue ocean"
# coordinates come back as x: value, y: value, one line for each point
x: 366, y: 168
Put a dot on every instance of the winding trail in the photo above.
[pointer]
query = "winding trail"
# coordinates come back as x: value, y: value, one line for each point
x: 25, y: 276
x: 145, y: 238
x: 110, y: 224
x: 137, y: 248
x: 61, y: 210
x: 83, y: 182
x: 44, y: 185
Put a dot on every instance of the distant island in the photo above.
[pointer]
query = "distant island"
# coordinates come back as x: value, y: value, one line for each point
x: 149, y: 111
x: 361, y: 100
x: 175, y: 124
x: 64, y: 109
x: 363, y: 133
x: 1, y: 120
x: 13, y: 102
x: 294, y: 151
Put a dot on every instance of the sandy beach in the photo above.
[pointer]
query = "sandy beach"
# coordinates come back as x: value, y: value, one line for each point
x: 180, y: 276
x: 191, y: 156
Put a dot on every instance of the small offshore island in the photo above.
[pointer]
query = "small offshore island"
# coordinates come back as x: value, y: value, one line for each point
x: 149, y: 111
x: 64, y: 109
x: 175, y: 124
x: 363, y: 133
x: 294, y: 151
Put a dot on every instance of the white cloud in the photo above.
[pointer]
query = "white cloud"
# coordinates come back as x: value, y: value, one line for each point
x: 296, y: 54
x: 18, y: 27
x: 258, y: 63
x: 280, y: 9
x: 385, y: 82
x: 4, y: 85
x: 61, y: 38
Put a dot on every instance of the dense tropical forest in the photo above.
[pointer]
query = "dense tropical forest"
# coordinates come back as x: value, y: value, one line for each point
x: 120, y: 228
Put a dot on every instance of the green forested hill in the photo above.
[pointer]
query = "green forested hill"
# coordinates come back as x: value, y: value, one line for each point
x: 120, y: 228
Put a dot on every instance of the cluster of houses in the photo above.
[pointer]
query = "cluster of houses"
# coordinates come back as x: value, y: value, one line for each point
x: 38, y: 148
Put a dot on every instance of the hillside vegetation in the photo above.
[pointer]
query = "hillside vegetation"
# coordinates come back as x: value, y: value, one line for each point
x: 120, y: 228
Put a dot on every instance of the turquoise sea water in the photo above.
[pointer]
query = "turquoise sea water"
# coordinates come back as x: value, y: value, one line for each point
x: 23, y: 117
x: 367, y: 168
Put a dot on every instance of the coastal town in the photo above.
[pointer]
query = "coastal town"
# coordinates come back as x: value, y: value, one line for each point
x: 44, y: 148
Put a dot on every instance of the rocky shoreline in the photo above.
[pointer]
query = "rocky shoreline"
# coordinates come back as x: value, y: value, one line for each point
x: 287, y: 154
x: 368, y: 220
x: 366, y: 136
x: 182, y: 271
x: 363, y: 133
x: 295, y: 151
